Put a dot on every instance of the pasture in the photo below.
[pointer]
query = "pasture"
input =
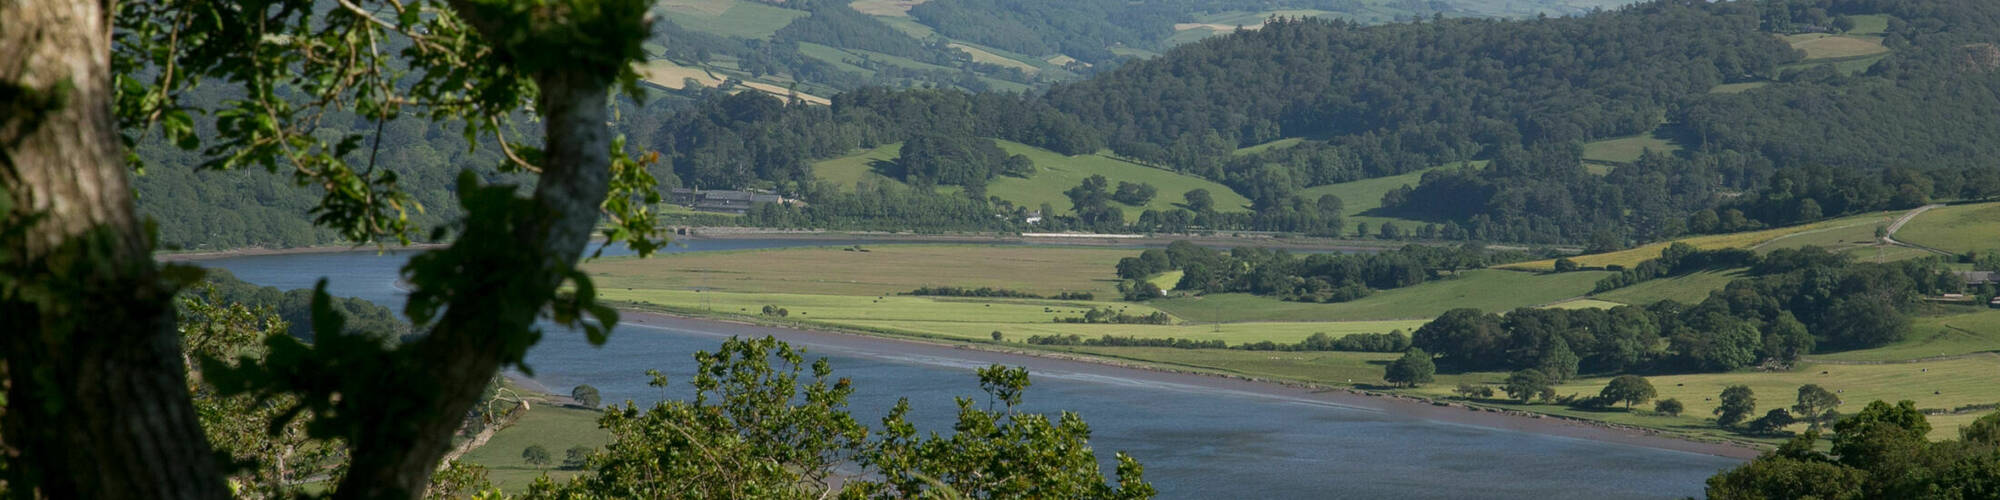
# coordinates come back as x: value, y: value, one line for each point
x: 885, y: 8
x: 1484, y: 289
x: 1957, y: 228
x: 1736, y: 88
x: 1932, y: 385
x: 1953, y: 331
x: 737, y: 18
x: 1054, y: 174
x: 1686, y: 289
x: 864, y: 166
x: 1819, y: 46
x: 1626, y: 149
x: 553, y: 427
x: 1232, y: 333
x: 1748, y: 239
x: 881, y: 270
x: 1363, y: 195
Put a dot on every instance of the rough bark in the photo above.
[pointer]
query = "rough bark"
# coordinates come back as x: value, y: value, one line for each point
x: 461, y: 353
x: 99, y: 405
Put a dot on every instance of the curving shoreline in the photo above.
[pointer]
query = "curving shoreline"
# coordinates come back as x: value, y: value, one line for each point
x: 1403, y: 406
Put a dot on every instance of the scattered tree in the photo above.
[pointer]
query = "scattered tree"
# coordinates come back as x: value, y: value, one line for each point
x: 997, y: 336
x: 577, y: 457
x: 586, y: 395
x: 1474, y: 390
x: 1669, y: 407
x: 1630, y: 389
x: 1411, y: 370
x: 1199, y: 201
x: 1772, y: 422
x: 1815, y: 405
x: 1529, y: 384
x: 1738, y: 403
x: 535, y: 455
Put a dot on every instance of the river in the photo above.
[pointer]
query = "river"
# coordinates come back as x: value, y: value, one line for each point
x: 1199, y: 437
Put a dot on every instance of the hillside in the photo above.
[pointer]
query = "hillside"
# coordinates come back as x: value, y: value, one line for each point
x: 1054, y: 173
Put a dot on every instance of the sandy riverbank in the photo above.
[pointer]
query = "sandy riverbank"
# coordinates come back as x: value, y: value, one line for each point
x: 1440, y: 411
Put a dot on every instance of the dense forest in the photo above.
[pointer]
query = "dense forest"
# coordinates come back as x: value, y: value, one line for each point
x: 1809, y: 143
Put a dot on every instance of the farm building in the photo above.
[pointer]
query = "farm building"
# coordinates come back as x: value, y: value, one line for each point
x: 723, y: 201
x: 1979, y: 277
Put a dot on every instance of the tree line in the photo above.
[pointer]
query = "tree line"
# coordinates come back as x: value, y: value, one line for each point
x: 1308, y: 278
x: 1825, y: 304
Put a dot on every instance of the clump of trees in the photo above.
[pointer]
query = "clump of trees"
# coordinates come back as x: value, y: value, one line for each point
x: 1414, y: 368
x: 1118, y: 341
x: 929, y: 160
x: 1806, y: 301
x: 1880, y: 452
x: 586, y: 395
x: 1118, y: 316
x: 984, y: 291
x: 1308, y: 278
x: 775, y: 311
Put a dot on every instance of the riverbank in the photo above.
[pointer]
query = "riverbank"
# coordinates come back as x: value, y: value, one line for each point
x: 1266, y: 240
x: 1194, y: 379
x: 200, y: 255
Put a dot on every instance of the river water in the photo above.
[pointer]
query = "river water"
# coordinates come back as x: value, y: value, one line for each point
x: 1199, y: 437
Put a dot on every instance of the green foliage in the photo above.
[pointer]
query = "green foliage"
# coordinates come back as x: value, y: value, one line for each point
x: 1529, y: 384
x: 1880, y: 452
x: 1669, y: 407
x: 586, y: 395
x: 577, y: 457
x: 758, y: 427
x: 535, y: 455
x: 1413, y: 369
x: 1816, y: 405
x: 1738, y: 403
x: 1630, y: 389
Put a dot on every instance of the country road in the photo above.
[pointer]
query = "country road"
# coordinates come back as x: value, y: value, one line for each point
x: 1890, y: 236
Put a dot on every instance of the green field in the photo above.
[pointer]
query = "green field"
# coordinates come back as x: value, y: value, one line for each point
x: 1359, y: 197
x: 1232, y: 333
x: 1626, y: 149
x: 1054, y: 174
x: 1953, y: 331
x: 1870, y: 24
x: 1957, y: 228
x: 1736, y: 88
x: 737, y: 18
x: 1277, y: 144
x: 848, y: 171
x: 881, y: 271
x: 553, y: 427
x: 1748, y: 239
x: 1685, y: 289
x: 1824, y: 46
x: 1485, y: 289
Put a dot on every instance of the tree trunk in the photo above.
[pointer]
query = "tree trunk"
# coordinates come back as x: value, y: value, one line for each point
x: 99, y: 405
x: 464, y: 350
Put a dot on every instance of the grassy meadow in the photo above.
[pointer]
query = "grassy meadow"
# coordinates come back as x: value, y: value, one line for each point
x: 553, y: 427
x: 1755, y: 240
x: 1054, y: 174
x: 1626, y: 149
x: 1957, y: 228
x: 1359, y: 197
x: 737, y: 18
x: 1484, y: 289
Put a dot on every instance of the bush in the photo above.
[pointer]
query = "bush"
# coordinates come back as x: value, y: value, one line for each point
x: 586, y: 395
x: 535, y: 455
x: 1669, y: 407
x: 576, y: 457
